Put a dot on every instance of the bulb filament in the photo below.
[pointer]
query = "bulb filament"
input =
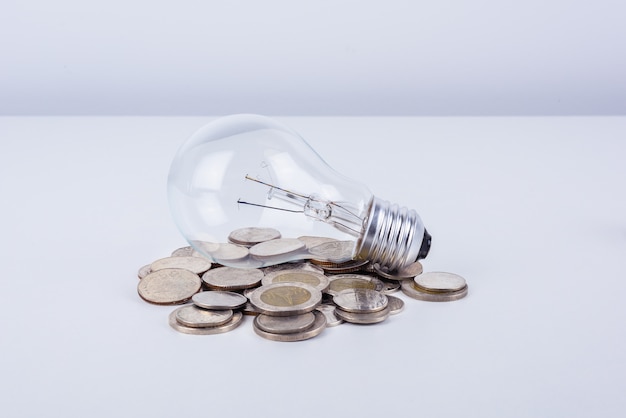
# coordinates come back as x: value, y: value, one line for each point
x: 329, y: 212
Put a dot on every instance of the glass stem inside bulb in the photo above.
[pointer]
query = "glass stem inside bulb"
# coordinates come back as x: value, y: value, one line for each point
x: 336, y: 214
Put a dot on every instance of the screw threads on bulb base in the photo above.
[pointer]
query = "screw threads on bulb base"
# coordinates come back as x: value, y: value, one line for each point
x: 392, y: 236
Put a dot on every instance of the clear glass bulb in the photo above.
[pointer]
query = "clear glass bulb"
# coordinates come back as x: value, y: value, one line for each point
x: 250, y: 171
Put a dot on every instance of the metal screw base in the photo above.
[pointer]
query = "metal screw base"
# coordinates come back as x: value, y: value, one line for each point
x: 392, y: 236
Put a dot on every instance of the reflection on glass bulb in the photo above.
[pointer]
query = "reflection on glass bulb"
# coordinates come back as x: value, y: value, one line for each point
x: 250, y: 171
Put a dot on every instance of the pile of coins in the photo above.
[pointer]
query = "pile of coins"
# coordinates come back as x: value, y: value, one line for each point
x: 291, y: 301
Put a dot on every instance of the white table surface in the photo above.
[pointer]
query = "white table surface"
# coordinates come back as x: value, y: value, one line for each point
x: 531, y: 211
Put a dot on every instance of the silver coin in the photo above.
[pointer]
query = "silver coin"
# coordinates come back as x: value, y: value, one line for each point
x: 203, y: 246
x: 410, y: 289
x: 299, y: 265
x: 169, y: 286
x: 360, y: 300
x: 347, y: 267
x: 250, y: 310
x: 334, y: 251
x: 318, y: 326
x: 144, y: 271
x: 329, y: 312
x: 390, y: 287
x: 234, y: 322
x: 316, y: 280
x: 230, y: 278
x: 276, y: 247
x: 440, y: 282
x: 192, y: 316
x: 285, y: 324
x: 363, y: 318
x: 225, y: 253
x: 247, y: 292
x: 216, y: 299
x: 353, y: 281
x: 284, y: 299
x: 396, y: 305
x: 183, y: 252
x: 406, y: 272
x: 253, y: 235
x: 310, y: 241
x: 193, y: 264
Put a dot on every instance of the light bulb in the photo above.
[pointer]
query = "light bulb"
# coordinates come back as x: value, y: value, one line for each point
x: 250, y: 171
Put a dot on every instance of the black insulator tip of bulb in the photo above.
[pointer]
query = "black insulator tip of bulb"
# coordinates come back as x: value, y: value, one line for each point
x: 425, y: 248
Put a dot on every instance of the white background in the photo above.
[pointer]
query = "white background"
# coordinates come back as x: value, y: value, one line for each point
x: 279, y: 57
x: 531, y: 211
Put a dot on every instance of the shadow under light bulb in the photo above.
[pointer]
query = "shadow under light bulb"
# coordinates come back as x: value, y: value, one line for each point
x: 250, y: 171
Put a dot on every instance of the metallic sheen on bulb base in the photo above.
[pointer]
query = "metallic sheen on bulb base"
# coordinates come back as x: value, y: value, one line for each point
x: 392, y: 236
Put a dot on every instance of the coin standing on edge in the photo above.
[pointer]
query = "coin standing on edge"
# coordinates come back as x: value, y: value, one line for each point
x: 169, y: 286
x: 318, y: 326
x: 234, y: 322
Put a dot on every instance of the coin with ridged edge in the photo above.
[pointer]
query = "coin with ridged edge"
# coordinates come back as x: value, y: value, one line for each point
x: 316, y: 280
x: 353, y: 281
x: 284, y: 299
x: 318, y: 326
x: 253, y: 235
x: 410, y: 289
x: 234, y: 322
x: 230, y: 278
x: 285, y: 324
x: 219, y: 299
x: 192, y: 316
x: 169, y: 286
x: 195, y: 265
x: 363, y: 318
x: 440, y: 282
x: 342, y: 268
x: 360, y: 300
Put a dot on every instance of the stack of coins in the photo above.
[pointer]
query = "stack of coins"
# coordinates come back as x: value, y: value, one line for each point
x: 287, y: 311
x: 291, y: 301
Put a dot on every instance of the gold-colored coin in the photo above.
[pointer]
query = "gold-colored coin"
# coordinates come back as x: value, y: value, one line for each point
x: 284, y: 299
x: 353, y: 281
x: 316, y: 280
